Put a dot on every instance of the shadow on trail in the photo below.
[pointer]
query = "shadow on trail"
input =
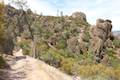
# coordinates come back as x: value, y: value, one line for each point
x: 20, y: 57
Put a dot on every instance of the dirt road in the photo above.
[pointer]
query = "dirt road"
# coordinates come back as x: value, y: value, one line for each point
x: 28, y: 68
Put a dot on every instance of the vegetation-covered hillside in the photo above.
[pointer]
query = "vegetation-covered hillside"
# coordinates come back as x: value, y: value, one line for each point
x: 63, y: 42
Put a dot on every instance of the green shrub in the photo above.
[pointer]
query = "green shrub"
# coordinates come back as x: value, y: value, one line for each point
x: 99, y: 71
x: 47, y: 34
x: 41, y: 48
x: 116, y: 43
x: 61, y: 44
x: 2, y: 62
x: 52, y: 57
x: 25, y: 45
x: 110, y: 52
x: 69, y: 65
x: 97, y: 77
x: 113, y: 60
x: 86, y: 37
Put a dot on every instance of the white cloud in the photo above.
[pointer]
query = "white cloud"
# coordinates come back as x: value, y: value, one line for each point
x: 41, y: 6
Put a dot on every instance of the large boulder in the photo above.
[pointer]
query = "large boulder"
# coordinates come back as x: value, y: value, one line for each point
x: 82, y: 43
x: 100, y: 33
x: 72, y: 45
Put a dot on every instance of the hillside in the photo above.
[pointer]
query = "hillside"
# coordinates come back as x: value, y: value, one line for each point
x: 68, y: 43
x: 46, y: 29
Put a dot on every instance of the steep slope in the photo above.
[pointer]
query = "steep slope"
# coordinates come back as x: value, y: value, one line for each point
x: 53, y: 30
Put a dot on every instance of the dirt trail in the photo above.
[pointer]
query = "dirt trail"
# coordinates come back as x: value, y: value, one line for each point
x: 28, y: 68
x: 43, y: 71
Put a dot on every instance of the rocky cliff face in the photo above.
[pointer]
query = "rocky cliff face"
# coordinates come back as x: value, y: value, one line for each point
x: 100, y: 34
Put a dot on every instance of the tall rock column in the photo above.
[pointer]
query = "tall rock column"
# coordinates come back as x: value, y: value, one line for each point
x: 100, y: 33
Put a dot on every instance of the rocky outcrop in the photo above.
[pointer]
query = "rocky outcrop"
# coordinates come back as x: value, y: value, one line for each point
x: 79, y: 15
x: 82, y: 41
x: 72, y: 45
x: 100, y: 33
x: 79, y: 44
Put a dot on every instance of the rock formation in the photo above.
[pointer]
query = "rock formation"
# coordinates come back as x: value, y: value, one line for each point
x: 73, y: 46
x: 82, y: 43
x: 79, y: 15
x: 100, y: 33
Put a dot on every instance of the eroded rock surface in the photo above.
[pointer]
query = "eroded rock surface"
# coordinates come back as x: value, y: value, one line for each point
x: 100, y: 33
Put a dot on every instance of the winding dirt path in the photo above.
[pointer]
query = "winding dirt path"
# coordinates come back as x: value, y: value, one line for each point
x: 28, y: 68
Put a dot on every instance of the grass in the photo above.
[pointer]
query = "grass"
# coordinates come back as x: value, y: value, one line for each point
x: 99, y: 72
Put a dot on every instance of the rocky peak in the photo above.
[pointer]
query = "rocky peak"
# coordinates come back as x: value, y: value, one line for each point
x: 79, y: 15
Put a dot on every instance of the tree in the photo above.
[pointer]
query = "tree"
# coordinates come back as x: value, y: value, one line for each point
x: 30, y: 20
x: 2, y: 35
x: 21, y: 4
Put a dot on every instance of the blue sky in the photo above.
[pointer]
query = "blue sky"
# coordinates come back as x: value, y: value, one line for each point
x: 94, y: 9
